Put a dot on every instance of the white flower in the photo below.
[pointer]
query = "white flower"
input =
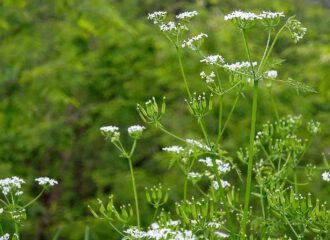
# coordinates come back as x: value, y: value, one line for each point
x: 213, y: 224
x: 221, y: 235
x: 1, y: 210
x: 271, y: 74
x: 157, y: 17
x: 326, y: 176
x: 158, y: 233
x: 249, y: 16
x: 18, y: 193
x: 221, y: 166
x: 42, y: 181
x: 296, y: 29
x: 5, y: 237
x: 224, y: 184
x: 174, y: 149
x: 12, y: 183
x: 208, y: 78
x: 170, y: 26
x: 239, y: 66
x: 213, y: 59
x: 194, y: 42
x: 271, y: 15
x: 173, y: 223
x: 193, y: 175
x: 198, y: 144
x: 185, y: 15
x: 135, y: 128
x: 136, y: 131
x: 109, y: 129
x: 314, y: 127
x: 207, y: 161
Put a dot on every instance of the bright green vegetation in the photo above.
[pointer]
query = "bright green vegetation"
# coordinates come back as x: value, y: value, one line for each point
x: 69, y: 67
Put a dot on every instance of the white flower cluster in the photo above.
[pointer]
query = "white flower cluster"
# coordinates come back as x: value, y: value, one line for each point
x: 224, y: 184
x: 297, y: 30
x: 208, y: 78
x: 187, y: 15
x: 250, y: 16
x: 170, y: 26
x: 135, y: 128
x: 136, y: 131
x: 173, y: 149
x: 271, y: 15
x: 314, y: 127
x: 271, y: 74
x: 221, y: 234
x: 109, y: 129
x: 238, y: 14
x: 213, y: 59
x: 198, y: 144
x: 156, y: 232
x: 239, y: 66
x: 326, y: 176
x: 157, y: 17
x: 5, y: 237
x: 42, y: 181
x: 12, y: 183
x: 194, y: 175
x: 221, y: 166
x: 194, y: 42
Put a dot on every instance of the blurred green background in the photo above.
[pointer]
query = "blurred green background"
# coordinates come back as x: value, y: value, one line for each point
x: 68, y: 67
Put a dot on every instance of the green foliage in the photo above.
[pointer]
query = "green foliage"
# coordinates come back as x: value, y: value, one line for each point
x: 68, y: 67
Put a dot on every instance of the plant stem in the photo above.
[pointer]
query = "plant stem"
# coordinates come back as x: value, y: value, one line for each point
x: 171, y: 134
x: 17, y: 231
x: 134, y: 191
x: 224, y: 200
x: 266, y: 49
x: 200, y: 122
x: 220, y: 120
x: 260, y: 69
x: 229, y: 116
x: 116, y: 229
x: 274, y: 105
x: 263, y: 211
x: 33, y: 200
x: 178, y: 53
x: 251, y: 146
x: 185, y: 189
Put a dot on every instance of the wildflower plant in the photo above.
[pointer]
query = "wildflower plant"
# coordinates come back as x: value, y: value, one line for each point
x: 13, y: 209
x: 267, y: 169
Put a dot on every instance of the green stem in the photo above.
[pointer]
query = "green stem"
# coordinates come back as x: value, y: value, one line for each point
x: 266, y: 49
x: 178, y: 53
x: 116, y: 229
x: 200, y: 122
x: 288, y: 222
x: 171, y: 134
x: 251, y: 145
x: 134, y: 191
x: 185, y: 189
x: 201, y: 191
x: 295, y: 179
x: 220, y: 120
x: 261, y: 67
x: 17, y: 231
x: 229, y: 116
x: 263, y: 210
x: 155, y: 214
x: 33, y: 200
x: 274, y: 105
x: 224, y: 200
x: 133, y: 148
